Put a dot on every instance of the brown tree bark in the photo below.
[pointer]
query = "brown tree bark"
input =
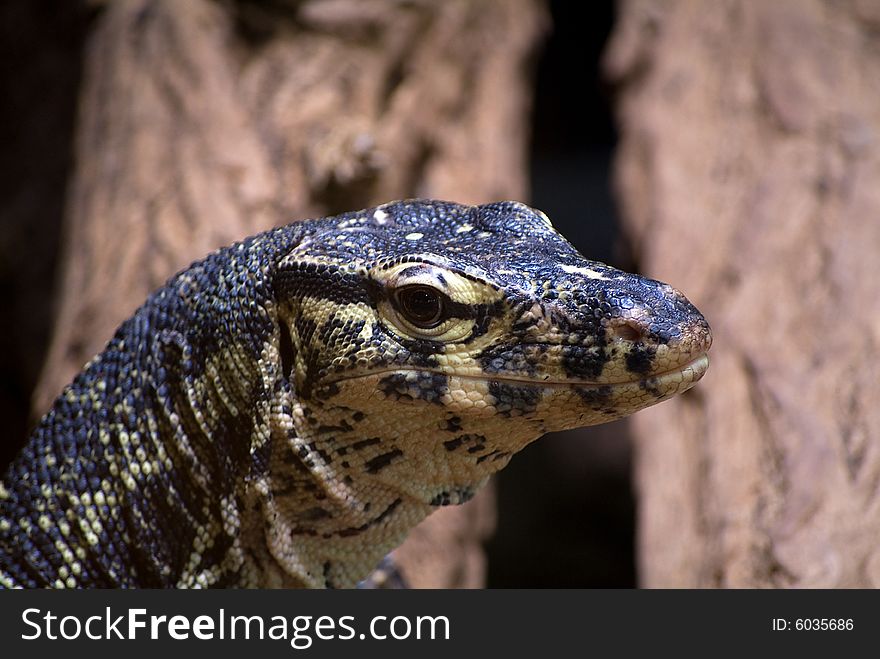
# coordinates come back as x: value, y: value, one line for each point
x: 748, y: 176
x: 203, y: 122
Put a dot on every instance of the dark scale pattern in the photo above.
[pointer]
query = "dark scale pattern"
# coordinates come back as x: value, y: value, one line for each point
x: 274, y: 416
x: 415, y: 385
x: 122, y: 458
x: 514, y: 399
x: 453, y: 497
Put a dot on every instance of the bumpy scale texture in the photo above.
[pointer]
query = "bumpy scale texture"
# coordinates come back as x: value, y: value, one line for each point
x: 284, y: 411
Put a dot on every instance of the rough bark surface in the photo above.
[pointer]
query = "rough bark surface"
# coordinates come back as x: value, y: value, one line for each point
x: 203, y: 122
x: 748, y: 176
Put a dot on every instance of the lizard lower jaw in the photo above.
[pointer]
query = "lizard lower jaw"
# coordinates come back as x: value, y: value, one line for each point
x: 679, y: 379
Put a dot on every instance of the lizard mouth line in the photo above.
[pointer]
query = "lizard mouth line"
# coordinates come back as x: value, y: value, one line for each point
x: 696, y: 366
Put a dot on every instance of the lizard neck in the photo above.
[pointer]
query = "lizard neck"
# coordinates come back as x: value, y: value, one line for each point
x: 327, y: 519
x: 345, y: 483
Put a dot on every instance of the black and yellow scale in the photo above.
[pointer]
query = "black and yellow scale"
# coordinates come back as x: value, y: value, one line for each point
x: 284, y: 411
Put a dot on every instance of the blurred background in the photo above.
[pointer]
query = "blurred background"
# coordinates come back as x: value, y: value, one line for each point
x: 728, y: 148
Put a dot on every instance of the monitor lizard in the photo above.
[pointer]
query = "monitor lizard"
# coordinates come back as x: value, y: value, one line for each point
x: 282, y: 412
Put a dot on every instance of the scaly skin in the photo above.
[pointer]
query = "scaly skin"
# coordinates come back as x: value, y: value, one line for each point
x: 284, y: 411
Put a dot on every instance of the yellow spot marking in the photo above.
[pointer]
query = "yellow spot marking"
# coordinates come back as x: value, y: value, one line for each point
x: 589, y: 273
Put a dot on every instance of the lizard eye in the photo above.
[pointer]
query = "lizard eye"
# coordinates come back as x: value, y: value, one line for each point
x: 421, y: 305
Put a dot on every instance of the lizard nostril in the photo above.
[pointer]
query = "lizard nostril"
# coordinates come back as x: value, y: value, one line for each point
x: 627, y: 332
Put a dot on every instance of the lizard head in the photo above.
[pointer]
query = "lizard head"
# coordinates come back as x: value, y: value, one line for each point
x: 471, y: 331
x: 424, y: 343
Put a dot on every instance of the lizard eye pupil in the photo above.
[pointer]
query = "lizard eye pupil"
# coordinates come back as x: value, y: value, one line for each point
x: 422, y: 305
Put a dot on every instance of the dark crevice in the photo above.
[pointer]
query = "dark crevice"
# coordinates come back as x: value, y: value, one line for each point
x: 41, y: 56
x: 258, y: 22
x: 573, y: 491
x: 337, y: 197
